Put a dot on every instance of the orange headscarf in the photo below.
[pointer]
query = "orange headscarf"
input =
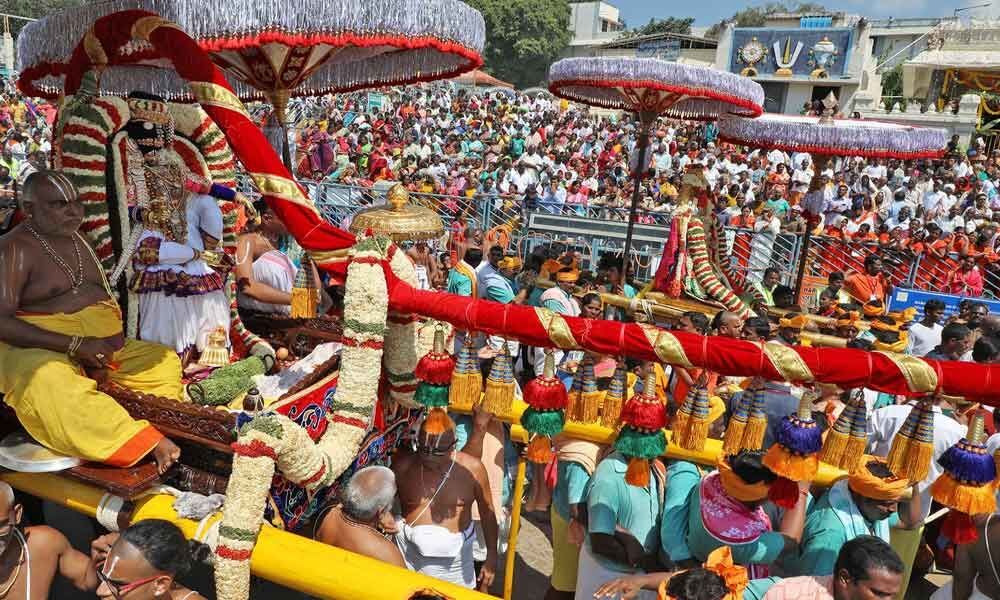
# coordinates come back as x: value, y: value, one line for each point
x: 736, y: 487
x: 861, y: 481
x: 720, y: 562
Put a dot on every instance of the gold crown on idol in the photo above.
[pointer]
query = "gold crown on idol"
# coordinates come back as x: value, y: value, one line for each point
x: 145, y: 109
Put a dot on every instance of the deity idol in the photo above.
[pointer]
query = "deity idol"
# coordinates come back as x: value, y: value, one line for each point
x: 179, y: 273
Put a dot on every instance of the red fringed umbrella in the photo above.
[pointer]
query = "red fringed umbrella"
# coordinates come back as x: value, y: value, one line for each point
x: 650, y: 87
x: 273, y: 49
x: 824, y: 137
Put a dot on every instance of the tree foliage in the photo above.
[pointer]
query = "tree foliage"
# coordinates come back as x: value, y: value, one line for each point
x: 523, y: 37
x: 34, y: 9
x: 668, y: 25
x: 755, y: 16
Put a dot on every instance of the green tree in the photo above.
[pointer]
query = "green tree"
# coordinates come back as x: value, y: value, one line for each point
x: 755, y: 16
x: 892, y: 87
x: 523, y: 37
x: 668, y: 25
x: 34, y: 9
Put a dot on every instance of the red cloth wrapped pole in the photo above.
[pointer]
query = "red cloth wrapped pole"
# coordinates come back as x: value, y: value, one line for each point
x: 848, y: 368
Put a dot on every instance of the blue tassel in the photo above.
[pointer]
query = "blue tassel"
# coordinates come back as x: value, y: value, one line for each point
x: 969, y: 463
x: 799, y: 436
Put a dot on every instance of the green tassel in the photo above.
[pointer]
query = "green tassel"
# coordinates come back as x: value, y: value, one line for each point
x: 431, y: 396
x: 637, y: 444
x: 542, y: 422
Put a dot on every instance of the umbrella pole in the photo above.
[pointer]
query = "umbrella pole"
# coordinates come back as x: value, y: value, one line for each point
x: 818, y: 165
x: 645, y: 121
x: 279, y: 100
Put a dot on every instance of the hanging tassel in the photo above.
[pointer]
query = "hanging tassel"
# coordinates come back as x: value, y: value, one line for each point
x: 539, y: 450
x: 434, y: 371
x: 614, y: 399
x: 466, y: 380
x: 590, y: 397
x: 959, y: 528
x: 784, y: 493
x: 305, y: 296
x: 858, y: 441
x: 499, y: 397
x: 966, y: 486
x: 641, y: 438
x: 678, y: 425
x: 732, y: 441
x: 837, y: 438
x: 913, y: 447
x: 574, y: 396
x: 756, y: 429
x: 793, y: 457
x: 546, y: 398
x: 637, y: 473
x: 696, y: 431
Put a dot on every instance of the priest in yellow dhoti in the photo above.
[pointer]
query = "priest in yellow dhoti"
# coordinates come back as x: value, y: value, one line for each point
x: 60, y: 330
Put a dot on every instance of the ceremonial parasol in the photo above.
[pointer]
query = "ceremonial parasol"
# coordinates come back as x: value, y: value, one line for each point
x: 651, y: 88
x: 825, y: 136
x: 274, y: 49
x: 398, y: 219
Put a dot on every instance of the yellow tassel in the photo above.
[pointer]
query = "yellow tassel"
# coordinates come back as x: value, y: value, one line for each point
x: 896, y: 460
x: 590, y: 406
x: 963, y: 497
x: 499, y: 398
x: 695, y: 435
x: 791, y: 466
x: 539, y: 450
x: 465, y: 391
x: 732, y: 442
x: 679, y: 425
x: 637, y: 473
x: 611, y: 412
x: 438, y: 421
x: 305, y: 303
x: 852, y: 453
x: 573, y: 405
x: 833, y: 447
x: 910, y: 459
x: 753, y: 437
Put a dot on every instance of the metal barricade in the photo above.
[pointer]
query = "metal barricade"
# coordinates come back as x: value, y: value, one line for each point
x: 751, y: 253
x: 827, y: 255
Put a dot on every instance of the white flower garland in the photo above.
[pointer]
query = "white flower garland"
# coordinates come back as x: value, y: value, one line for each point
x: 273, y: 440
x: 402, y: 347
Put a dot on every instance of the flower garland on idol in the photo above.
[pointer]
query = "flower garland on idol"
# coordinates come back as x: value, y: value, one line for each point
x: 272, y: 441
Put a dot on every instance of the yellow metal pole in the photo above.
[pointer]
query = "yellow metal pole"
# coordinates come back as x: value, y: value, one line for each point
x: 515, y: 528
x: 287, y: 559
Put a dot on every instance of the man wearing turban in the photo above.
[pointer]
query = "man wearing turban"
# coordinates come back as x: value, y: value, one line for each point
x: 725, y: 509
x: 865, y: 503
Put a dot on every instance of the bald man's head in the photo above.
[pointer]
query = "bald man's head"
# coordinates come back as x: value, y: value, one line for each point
x: 730, y: 325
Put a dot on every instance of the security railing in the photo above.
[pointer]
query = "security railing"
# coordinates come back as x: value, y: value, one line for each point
x: 748, y: 253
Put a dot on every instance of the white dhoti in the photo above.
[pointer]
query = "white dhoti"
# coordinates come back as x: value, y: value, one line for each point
x: 944, y: 592
x: 591, y: 575
x: 437, y: 552
x: 181, y: 322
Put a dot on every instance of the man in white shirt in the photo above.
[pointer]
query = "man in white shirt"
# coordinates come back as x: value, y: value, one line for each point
x: 885, y: 423
x: 925, y: 335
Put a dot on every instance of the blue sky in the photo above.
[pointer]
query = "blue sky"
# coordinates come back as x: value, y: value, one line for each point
x: 637, y: 12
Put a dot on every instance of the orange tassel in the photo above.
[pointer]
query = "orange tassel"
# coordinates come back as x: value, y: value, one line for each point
x: 637, y: 473
x: 539, y: 450
x: 438, y: 421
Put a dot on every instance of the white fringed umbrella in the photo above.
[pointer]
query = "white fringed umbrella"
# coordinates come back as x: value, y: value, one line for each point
x: 651, y: 88
x: 824, y: 137
x: 273, y: 49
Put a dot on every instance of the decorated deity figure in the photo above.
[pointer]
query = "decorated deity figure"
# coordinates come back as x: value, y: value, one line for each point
x: 179, y: 273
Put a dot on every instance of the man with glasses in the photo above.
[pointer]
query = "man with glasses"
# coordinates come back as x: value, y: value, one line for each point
x: 142, y: 563
x: 30, y: 557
